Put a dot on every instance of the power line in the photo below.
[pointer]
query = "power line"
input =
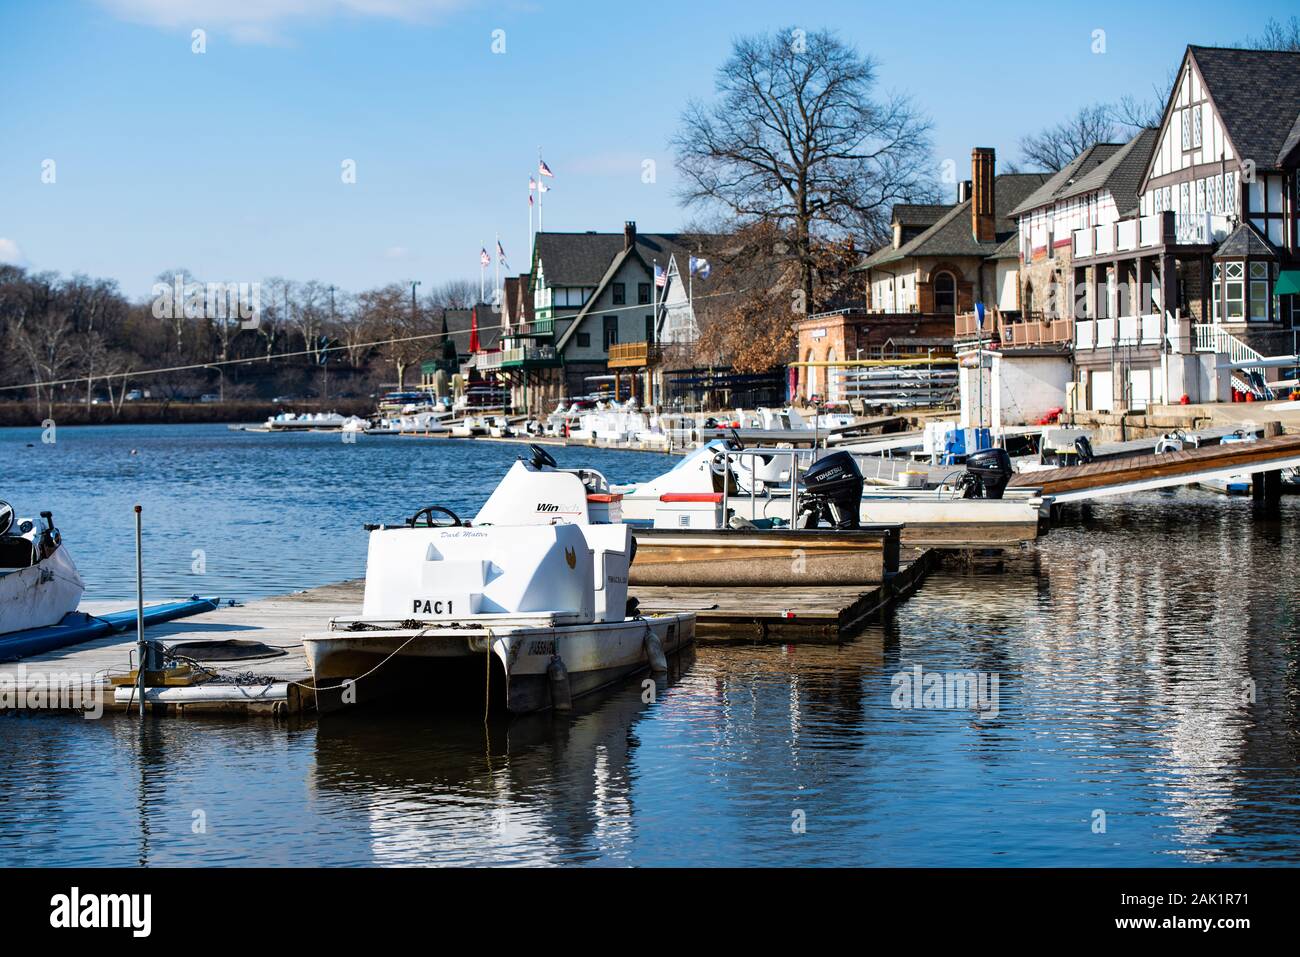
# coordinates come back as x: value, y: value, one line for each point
x: 640, y: 307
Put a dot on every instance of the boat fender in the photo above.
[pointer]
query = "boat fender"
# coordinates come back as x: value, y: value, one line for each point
x: 558, y: 677
x: 654, y: 652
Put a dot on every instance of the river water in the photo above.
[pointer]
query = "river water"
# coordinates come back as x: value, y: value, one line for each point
x: 1144, y: 712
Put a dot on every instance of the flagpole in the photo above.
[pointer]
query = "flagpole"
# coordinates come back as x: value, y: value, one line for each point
x: 530, y: 228
x: 540, y: 184
x: 482, y: 275
x: 496, y: 286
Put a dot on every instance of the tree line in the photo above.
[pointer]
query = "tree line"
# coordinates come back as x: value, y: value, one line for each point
x: 80, y: 339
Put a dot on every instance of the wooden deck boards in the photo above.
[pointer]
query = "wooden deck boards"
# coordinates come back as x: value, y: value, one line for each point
x: 807, y: 613
x: 1247, y: 457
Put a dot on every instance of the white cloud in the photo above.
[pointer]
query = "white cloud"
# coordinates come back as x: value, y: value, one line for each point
x: 396, y: 252
x: 10, y: 253
x: 257, y: 21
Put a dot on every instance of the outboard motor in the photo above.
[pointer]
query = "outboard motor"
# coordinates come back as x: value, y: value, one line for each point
x: 987, y: 473
x: 833, y: 491
x: 1084, y: 449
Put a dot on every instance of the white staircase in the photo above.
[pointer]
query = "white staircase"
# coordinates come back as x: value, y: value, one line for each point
x: 1211, y: 338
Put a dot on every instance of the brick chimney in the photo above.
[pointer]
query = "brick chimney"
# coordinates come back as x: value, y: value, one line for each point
x: 981, y: 207
x: 629, y: 234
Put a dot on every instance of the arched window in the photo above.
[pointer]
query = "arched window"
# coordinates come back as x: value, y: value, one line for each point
x: 945, y: 292
x: 832, y: 378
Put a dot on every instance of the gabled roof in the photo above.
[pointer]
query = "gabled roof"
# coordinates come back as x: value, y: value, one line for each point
x: 1245, y: 241
x: 1257, y: 95
x: 635, y: 252
x: 1121, y: 174
x: 918, y: 214
x: 952, y: 234
x: 581, y: 259
x: 1010, y: 249
x: 1067, y: 176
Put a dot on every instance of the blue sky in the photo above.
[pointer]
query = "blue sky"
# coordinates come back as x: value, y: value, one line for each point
x: 228, y: 163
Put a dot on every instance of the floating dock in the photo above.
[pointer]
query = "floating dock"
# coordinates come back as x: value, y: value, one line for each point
x: 1138, y: 473
x: 79, y: 678
x: 812, y: 613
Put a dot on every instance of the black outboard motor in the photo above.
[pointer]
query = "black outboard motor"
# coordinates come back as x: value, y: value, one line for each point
x: 833, y: 491
x: 987, y: 473
x: 1084, y: 449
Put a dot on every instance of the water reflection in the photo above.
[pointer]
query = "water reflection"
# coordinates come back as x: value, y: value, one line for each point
x: 1128, y: 643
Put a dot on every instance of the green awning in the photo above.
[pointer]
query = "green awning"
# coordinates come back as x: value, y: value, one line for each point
x: 1288, y: 283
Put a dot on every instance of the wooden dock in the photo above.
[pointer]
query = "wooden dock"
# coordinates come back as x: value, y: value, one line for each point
x: 1142, y: 472
x: 791, y: 613
x: 78, y: 678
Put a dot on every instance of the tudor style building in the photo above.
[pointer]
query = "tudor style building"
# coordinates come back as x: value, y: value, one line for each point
x: 1209, y: 263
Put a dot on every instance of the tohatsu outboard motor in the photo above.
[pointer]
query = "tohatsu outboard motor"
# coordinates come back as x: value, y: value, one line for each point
x: 987, y: 473
x: 832, y: 490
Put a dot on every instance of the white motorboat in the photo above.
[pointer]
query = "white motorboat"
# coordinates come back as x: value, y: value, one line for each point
x: 39, y: 583
x: 720, y: 481
x: 531, y: 597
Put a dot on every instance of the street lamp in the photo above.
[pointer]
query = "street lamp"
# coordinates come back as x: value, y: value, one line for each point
x: 221, y: 372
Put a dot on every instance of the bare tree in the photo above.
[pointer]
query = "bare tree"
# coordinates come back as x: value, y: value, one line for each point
x: 389, y: 312
x: 48, y: 348
x: 1055, y: 146
x: 454, y: 294
x: 796, y: 139
x: 1277, y: 36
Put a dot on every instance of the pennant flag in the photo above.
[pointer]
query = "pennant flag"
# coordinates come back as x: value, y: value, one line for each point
x: 661, y: 275
x: 530, y: 199
x: 483, y: 258
x: 532, y: 184
x: 699, y: 267
x: 502, y: 253
x: 543, y: 169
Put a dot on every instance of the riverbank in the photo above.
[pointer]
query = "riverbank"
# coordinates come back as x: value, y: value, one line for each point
x: 150, y: 412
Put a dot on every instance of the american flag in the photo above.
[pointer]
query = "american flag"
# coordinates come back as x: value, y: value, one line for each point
x: 532, y: 184
x: 543, y: 169
x: 661, y: 275
x: 483, y: 258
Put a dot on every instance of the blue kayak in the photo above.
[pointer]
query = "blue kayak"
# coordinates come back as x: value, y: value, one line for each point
x: 77, y: 627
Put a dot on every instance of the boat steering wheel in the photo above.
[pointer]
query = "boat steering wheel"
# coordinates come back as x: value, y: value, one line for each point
x: 6, y: 517
x: 427, y: 514
x: 541, y: 457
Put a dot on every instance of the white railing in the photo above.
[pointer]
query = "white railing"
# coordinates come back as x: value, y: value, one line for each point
x: 1149, y: 231
x: 1105, y: 332
x: 1152, y: 328
x: 1126, y: 234
x: 1083, y: 244
x: 1128, y: 331
x: 527, y: 354
x: 1104, y: 241
x: 486, y: 361
x: 1085, y: 334
x: 1200, y: 228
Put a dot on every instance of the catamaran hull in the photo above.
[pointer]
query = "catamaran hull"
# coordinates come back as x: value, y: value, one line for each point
x: 594, y: 656
x: 40, y: 595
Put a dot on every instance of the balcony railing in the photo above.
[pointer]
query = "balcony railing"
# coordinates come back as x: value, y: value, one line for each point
x: 529, y: 356
x: 1012, y: 331
x: 633, y: 355
x: 1145, y: 330
x: 1150, y: 232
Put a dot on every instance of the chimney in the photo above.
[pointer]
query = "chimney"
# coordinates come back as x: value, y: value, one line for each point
x: 629, y: 234
x: 963, y: 191
x: 981, y: 207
